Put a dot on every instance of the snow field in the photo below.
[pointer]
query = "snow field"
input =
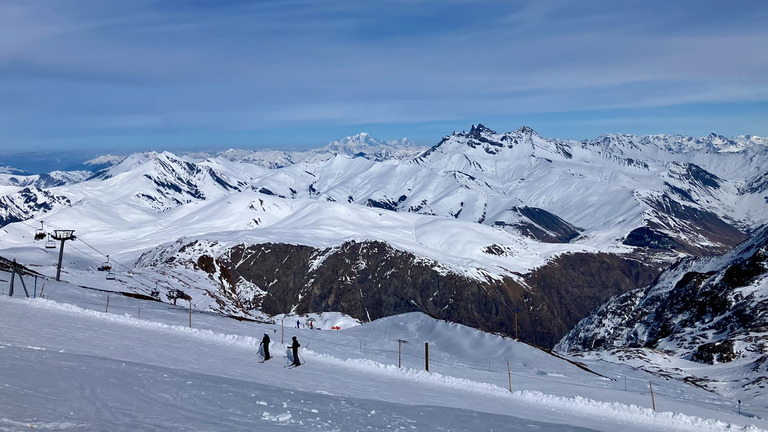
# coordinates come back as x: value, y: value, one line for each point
x: 339, y: 365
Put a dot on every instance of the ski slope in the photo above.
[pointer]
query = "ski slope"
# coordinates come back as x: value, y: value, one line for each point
x: 84, y: 359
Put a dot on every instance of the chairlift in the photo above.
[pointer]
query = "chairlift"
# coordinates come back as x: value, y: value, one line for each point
x: 105, y: 266
x: 110, y: 275
x: 40, y: 234
x: 50, y: 244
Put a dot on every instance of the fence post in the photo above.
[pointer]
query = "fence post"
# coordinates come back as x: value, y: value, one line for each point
x: 400, y: 343
x: 190, y: 313
x: 426, y: 355
x: 13, y: 277
x: 107, y: 309
x: 509, y: 373
x: 653, y: 399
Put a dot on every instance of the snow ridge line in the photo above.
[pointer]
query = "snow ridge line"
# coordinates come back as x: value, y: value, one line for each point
x: 228, y: 339
x: 578, y: 405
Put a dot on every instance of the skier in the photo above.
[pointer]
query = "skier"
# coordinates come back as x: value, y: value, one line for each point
x: 265, y: 347
x: 295, y: 350
x: 298, y: 323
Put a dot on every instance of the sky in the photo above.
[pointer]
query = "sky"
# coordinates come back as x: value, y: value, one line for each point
x: 116, y: 76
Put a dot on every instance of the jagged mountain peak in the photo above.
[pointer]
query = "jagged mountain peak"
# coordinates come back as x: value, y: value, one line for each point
x: 477, y: 131
x: 481, y: 129
x: 481, y: 141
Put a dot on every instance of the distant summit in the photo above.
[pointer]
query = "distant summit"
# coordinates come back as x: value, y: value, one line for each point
x: 104, y: 161
x: 366, y: 146
x: 4, y: 169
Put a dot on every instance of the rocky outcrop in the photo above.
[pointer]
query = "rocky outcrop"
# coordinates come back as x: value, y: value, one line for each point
x: 697, y: 308
x: 707, y: 310
x: 370, y: 280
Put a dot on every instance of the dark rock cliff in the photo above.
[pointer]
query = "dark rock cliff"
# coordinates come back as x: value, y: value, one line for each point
x: 370, y: 280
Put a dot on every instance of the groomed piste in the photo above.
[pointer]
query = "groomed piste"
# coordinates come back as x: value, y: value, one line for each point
x: 69, y: 364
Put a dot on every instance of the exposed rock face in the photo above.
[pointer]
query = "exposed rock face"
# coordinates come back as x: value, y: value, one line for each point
x: 573, y: 285
x: 713, y: 235
x: 541, y: 225
x: 27, y: 203
x: 371, y: 280
x: 709, y: 310
x: 715, y: 352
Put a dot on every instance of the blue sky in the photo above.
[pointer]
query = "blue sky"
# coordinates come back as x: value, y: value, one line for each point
x: 121, y: 76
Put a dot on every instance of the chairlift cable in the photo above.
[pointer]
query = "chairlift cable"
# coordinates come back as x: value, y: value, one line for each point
x: 136, y: 275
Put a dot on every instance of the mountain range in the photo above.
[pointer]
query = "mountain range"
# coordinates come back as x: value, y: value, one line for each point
x: 507, y: 232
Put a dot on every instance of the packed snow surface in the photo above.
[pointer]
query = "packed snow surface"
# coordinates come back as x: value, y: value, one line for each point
x: 87, y: 359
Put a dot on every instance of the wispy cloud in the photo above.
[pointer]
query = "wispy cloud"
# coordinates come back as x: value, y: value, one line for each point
x: 145, y: 66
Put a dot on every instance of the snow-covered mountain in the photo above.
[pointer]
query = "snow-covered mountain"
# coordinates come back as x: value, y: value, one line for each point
x: 711, y: 310
x: 29, y: 202
x: 361, y: 145
x: 365, y: 146
x: 5, y: 170
x: 16, y: 178
x: 484, y: 228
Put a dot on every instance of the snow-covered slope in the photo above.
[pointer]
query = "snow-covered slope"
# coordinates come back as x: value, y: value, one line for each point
x: 87, y: 360
x: 707, y: 310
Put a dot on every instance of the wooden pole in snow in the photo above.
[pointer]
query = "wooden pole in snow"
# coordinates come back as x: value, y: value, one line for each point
x: 509, y: 373
x: 653, y: 399
x: 400, y: 343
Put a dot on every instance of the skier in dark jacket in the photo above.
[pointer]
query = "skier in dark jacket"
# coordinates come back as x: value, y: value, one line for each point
x: 295, y: 350
x: 265, y: 346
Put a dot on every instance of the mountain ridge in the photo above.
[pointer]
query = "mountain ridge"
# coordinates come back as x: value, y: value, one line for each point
x: 711, y: 310
x: 500, y: 210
